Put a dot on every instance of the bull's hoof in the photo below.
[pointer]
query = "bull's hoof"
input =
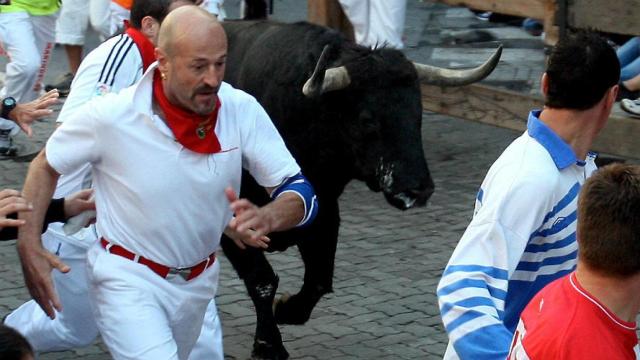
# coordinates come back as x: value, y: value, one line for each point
x: 263, y: 350
x: 288, y: 310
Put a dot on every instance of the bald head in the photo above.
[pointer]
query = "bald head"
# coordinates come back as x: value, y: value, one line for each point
x: 192, y: 53
x: 188, y: 24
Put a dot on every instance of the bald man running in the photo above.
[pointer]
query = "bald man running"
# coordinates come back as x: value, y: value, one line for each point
x: 167, y: 155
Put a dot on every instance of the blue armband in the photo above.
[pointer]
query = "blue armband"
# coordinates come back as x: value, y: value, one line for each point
x: 299, y: 185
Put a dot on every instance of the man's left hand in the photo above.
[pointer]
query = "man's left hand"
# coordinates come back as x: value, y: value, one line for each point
x: 248, y: 217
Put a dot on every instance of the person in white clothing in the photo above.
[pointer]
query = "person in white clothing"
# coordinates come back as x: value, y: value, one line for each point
x: 73, y: 328
x: 377, y: 22
x: 166, y: 156
x: 26, y: 32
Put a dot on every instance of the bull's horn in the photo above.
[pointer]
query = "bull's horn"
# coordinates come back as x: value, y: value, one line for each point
x: 323, y: 79
x: 448, y: 77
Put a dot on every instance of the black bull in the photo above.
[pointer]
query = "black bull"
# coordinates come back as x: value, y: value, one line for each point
x: 345, y: 112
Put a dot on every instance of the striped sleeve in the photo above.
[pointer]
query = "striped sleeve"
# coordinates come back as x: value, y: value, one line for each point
x: 114, y: 65
x: 117, y: 54
x: 473, y: 290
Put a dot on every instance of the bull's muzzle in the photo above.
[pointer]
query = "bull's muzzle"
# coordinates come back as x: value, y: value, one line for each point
x: 411, y: 198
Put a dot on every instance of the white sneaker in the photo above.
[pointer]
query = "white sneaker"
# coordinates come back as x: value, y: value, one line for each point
x: 631, y: 106
x: 6, y: 144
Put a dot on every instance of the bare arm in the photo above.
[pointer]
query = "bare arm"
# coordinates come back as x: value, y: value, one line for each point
x: 37, y: 263
x: 284, y: 212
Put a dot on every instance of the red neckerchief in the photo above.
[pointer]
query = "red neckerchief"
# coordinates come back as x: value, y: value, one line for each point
x: 145, y: 46
x: 193, y: 131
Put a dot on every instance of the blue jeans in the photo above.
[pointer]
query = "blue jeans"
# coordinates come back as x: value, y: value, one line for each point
x: 629, y: 57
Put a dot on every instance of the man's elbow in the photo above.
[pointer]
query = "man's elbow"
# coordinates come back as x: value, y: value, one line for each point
x: 301, y: 187
x: 41, y: 164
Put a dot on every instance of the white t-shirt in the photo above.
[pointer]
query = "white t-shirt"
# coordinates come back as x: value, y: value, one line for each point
x: 153, y: 196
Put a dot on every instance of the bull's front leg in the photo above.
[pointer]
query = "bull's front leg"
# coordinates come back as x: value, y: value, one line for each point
x: 318, y: 250
x: 261, y: 283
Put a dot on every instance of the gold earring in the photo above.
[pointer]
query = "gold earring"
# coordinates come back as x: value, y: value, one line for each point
x: 163, y: 76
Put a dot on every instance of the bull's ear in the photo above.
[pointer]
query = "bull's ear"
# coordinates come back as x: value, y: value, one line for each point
x: 323, y: 79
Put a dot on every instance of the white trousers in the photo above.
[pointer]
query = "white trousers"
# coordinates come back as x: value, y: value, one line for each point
x: 75, y: 17
x: 142, y: 316
x: 377, y: 22
x: 28, y: 41
x: 118, y: 15
x: 74, y: 327
x: 100, y: 17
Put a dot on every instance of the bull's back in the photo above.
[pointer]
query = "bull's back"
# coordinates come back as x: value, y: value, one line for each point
x: 266, y: 52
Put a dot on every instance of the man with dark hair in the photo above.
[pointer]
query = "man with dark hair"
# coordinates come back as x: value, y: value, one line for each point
x: 156, y: 9
x: 13, y: 346
x: 594, y: 308
x: 577, y: 82
x: 114, y: 65
x: 522, y: 235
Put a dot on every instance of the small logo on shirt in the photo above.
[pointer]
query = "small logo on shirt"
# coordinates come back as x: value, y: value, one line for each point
x: 102, y: 89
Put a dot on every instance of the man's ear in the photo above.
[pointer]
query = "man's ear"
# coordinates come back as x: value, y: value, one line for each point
x: 149, y: 27
x: 544, y: 84
x: 612, y: 94
x: 161, y: 57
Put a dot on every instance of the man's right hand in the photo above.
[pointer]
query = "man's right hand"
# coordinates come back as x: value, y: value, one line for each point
x: 37, y: 264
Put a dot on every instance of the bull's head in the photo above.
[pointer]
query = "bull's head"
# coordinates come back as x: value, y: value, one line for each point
x: 382, y: 95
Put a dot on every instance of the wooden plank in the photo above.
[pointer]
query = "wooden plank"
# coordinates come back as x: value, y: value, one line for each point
x: 615, y: 16
x: 525, y: 8
x: 329, y: 13
x: 509, y: 109
x: 621, y: 135
x: 481, y: 103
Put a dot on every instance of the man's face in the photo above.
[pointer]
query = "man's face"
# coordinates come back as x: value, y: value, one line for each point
x: 194, y: 71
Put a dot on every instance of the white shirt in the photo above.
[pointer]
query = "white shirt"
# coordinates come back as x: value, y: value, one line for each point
x: 153, y: 196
